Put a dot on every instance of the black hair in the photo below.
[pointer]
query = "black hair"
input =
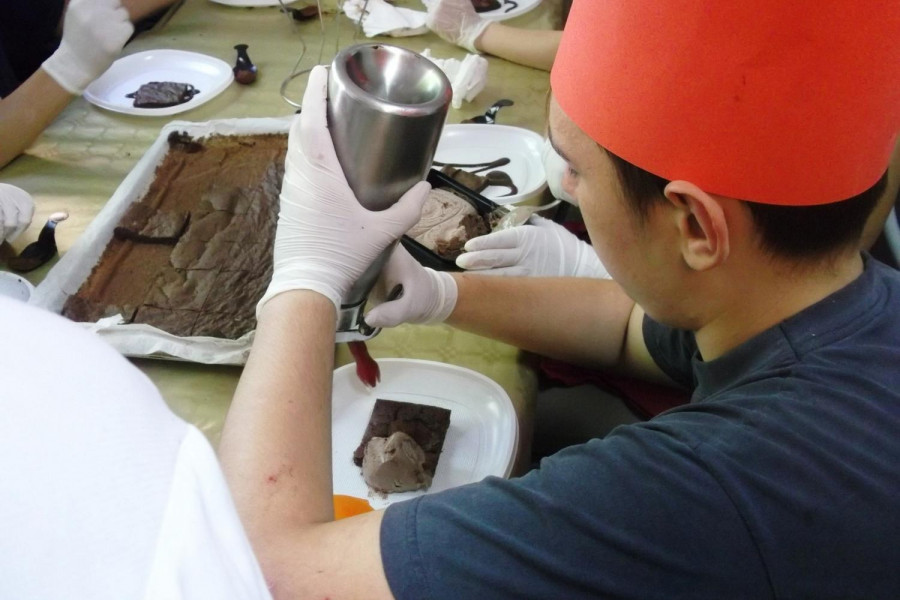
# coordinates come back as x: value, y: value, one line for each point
x: 789, y: 231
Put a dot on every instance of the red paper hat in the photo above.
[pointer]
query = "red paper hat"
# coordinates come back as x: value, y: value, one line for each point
x: 774, y: 101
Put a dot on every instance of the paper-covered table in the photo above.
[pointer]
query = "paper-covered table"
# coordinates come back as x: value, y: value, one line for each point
x: 85, y: 155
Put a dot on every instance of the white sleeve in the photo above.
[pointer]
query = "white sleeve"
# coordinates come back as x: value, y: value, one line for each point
x: 202, y: 551
x: 104, y: 492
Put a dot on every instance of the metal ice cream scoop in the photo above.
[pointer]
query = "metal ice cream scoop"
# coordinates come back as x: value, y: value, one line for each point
x: 386, y: 110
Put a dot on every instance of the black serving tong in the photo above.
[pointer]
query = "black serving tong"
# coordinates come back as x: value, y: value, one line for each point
x: 40, y: 252
x: 490, y: 115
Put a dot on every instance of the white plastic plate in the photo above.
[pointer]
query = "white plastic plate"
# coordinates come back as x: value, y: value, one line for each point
x: 208, y: 74
x: 15, y: 286
x: 481, y: 441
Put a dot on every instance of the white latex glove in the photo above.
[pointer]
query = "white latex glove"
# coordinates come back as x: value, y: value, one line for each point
x: 325, y: 238
x: 428, y: 296
x: 542, y: 249
x: 455, y: 21
x: 16, y: 211
x: 94, y: 32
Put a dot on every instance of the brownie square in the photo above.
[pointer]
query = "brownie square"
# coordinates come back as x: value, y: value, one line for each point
x: 180, y: 289
x: 427, y: 425
x: 86, y: 310
x: 228, y: 325
x: 175, y: 321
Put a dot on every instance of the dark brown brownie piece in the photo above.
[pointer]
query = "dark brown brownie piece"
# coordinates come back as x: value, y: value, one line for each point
x: 473, y: 181
x: 160, y: 94
x: 226, y: 325
x: 485, y: 5
x: 85, y: 310
x: 176, y: 322
x: 180, y: 289
x: 427, y: 425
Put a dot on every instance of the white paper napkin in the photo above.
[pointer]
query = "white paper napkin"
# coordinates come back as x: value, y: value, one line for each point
x: 467, y: 76
x: 383, y: 19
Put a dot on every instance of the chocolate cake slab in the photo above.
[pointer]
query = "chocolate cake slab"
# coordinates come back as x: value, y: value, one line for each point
x: 193, y: 254
x: 427, y: 425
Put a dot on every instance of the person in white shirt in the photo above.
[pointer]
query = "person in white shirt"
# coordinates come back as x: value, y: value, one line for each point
x: 105, y: 493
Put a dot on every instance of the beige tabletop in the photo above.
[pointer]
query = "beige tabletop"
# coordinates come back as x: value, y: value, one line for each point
x: 85, y: 154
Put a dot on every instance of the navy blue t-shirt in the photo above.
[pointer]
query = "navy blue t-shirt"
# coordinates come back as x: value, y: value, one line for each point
x: 779, y: 480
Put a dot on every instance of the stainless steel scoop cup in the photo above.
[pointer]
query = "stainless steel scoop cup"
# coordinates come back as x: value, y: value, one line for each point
x: 386, y: 109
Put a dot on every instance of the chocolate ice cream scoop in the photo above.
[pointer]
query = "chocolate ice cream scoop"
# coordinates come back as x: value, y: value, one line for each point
x: 395, y: 464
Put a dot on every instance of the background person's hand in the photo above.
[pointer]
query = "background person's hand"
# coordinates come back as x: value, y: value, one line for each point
x: 455, y: 21
x: 94, y: 33
x: 325, y: 238
x: 16, y: 211
x: 543, y: 249
x: 428, y: 296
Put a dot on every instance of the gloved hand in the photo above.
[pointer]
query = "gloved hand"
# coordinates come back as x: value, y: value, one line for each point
x: 455, y: 21
x: 94, y: 32
x: 325, y: 238
x: 16, y: 211
x: 428, y: 296
x: 543, y: 249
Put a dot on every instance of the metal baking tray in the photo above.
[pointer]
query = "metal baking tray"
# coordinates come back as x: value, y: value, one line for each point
x: 67, y: 275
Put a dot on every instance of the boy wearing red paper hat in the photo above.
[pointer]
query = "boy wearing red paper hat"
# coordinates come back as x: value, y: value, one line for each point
x: 726, y: 156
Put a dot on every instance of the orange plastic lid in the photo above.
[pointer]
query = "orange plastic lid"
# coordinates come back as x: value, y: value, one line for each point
x: 349, y: 506
x: 781, y: 102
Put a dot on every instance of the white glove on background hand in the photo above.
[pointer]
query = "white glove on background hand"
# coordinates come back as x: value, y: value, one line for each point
x: 455, y: 21
x: 16, y: 211
x: 325, y: 238
x: 543, y: 249
x: 94, y: 32
x: 428, y: 296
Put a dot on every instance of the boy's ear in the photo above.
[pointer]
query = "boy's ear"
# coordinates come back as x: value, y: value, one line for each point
x: 701, y: 223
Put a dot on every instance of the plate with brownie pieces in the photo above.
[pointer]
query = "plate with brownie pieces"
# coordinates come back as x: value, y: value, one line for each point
x: 418, y: 398
x: 159, y: 83
x: 500, y: 10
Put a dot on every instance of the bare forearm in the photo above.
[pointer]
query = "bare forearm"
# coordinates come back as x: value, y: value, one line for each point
x: 26, y: 112
x: 532, y: 48
x: 276, y: 454
x: 276, y: 443
x: 578, y: 320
